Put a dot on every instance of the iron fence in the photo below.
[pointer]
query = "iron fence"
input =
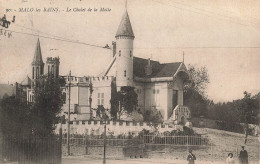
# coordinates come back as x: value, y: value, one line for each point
x: 175, y: 140
x: 142, y: 140
x: 98, y: 142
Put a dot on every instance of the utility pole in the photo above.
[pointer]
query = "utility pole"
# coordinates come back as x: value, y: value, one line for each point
x: 105, y: 136
x: 68, y: 123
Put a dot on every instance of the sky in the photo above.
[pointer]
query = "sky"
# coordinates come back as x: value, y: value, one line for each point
x: 222, y: 35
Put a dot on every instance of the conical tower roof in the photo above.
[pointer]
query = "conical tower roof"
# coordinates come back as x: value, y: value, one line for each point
x: 37, y: 59
x: 125, y: 27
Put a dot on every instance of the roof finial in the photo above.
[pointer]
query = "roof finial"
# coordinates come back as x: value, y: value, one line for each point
x: 183, y: 57
x: 126, y: 5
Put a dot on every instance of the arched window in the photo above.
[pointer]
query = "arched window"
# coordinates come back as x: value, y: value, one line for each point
x: 119, y: 52
x: 33, y: 73
x: 52, y: 70
x: 125, y: 73
x: 130, y: 54
x: 37, y: 72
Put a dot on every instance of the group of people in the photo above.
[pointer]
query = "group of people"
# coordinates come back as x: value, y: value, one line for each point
x: 243, y: 157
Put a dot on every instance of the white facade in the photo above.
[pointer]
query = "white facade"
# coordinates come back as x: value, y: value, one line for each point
x: 157, y: 85
x: 124, y: 61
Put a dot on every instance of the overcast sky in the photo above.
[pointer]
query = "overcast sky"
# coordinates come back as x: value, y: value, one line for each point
x: 163, y: 30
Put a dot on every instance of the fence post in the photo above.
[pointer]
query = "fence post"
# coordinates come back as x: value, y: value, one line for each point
x: 143, y: 138
x: 165, y: 144
x: 212, y: 155
x: 123, y: 141
x: 187, y: 144
x: 86, y: 143
x: 60, y: 143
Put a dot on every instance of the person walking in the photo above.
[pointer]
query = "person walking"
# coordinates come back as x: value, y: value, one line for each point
x: 243, y: 156
x: 230, y: 159
x: 191, y: 157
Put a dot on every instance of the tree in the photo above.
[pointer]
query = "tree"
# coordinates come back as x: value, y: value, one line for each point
x: 122, y: 101
x: 47, y: 105
x: 90, y: 96
x: 114, y: 101
x: 14, y: 117
x: 195, y: 91
x: 199, y: 80
x: 35, y: 119
x: 128, y: 97
x: 153, y: 117
x: 102, y: 113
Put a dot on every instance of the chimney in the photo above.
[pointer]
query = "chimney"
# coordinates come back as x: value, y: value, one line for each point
x: 148, y: 68
x: 114, y: 48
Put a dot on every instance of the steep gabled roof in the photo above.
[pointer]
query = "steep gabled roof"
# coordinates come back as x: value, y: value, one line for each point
x: 158, y: 70
x: 37, y: 59
x: 26, y: 81
x: 125, y: 27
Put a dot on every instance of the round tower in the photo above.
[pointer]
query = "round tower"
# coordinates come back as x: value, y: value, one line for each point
x: 124, y: 55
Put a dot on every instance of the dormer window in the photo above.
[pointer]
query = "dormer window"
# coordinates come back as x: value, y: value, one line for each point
x: 119, y: 52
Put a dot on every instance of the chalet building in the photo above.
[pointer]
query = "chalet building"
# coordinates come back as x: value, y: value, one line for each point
x: 158, y: 85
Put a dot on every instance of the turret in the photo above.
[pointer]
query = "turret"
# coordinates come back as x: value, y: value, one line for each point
x: 124, y: 51
x: 37, y: 64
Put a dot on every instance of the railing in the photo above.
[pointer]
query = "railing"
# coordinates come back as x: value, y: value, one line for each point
x: 98, y: 142
x: 136, y: 141
x: 175, y: 140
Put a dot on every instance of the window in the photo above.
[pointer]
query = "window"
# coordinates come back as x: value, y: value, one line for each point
x: 119, y: 52
x: 100, y: 98
x: 125, y: 73
x: 139, y: 91
x: 52, y: 70
x: 64, y: 97
x: 156, y: 93
x: 130, y: 53
x: 83, y: 122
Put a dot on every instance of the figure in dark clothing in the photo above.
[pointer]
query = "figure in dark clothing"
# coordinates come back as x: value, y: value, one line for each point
x: 243, y: 156
x: 191, y: 157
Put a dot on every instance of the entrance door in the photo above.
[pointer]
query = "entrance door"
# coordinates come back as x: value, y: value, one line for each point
x: 174, y: 98
x: 182, y: 120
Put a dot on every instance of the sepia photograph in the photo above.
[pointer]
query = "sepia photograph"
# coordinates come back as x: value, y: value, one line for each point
x: 129, y: 82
